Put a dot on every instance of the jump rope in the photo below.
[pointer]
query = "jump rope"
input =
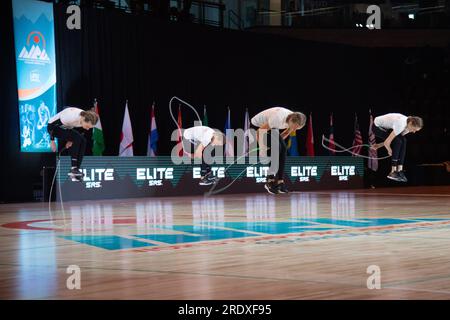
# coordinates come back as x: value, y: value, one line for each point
x: 212, y: 191
x: 57, y: 172
x: 349, y: 150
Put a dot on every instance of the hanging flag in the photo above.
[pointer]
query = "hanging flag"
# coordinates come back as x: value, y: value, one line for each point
x: 229, y: 145
x: 331, y: 143
x: 205, y: 117
x: 246, y: 132
x: 357, y: 140
x: 97, y: 134
x: 126, y: 137
x: 153, y: 135
x: 292, y: 147
x: 310, y: 139
x: 180, y: 134
x: 373, y: 154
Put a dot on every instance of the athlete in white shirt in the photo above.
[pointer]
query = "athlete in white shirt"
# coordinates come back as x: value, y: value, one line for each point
x: 392, y: 128
x: 271, y: 121
x: 62, y: 126
x: 201, y: 137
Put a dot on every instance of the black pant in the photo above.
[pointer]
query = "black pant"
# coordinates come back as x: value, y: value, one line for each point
x: 282, y: 154
x: 205, y: 169
x: 78, y: 140
x: 398, y: 145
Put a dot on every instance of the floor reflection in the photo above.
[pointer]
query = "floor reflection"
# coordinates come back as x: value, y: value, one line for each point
x: 91, y: 217
x: 343, y: 206
x: 208, y: 210
x: 260, y: 208
x: 304, y: 206
x: 159, y: 222
x: 38, y: 266
x: 151, y: 214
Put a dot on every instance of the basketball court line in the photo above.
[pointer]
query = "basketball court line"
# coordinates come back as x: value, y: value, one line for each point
x: 260, y: 278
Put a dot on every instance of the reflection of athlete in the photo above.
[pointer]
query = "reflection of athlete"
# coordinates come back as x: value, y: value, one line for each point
x: 273, y: 120
x: 202, y: 137
x: 392, y: 128
x: 62, y: 127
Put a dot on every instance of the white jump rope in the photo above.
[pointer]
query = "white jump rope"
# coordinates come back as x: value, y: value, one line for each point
x: 349, y: 150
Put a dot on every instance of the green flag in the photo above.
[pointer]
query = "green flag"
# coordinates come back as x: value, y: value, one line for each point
x: 205, y: 117
x: 97, y: 135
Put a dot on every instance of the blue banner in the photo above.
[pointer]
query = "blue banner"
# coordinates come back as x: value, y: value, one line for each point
x: 36, y: 72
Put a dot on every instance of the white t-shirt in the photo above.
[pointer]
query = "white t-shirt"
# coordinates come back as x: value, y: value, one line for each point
x: 200, y: 134
x: 395, y: 121
x: 275, y: 117
x: 70, y: 117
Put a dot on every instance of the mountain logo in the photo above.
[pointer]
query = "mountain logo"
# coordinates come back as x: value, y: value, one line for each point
x: 35, y: 55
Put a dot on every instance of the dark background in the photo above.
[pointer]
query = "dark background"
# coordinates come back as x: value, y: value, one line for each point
x: 117, y: 56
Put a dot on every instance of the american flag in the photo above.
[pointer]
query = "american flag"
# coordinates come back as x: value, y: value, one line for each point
x: 331, y: 143
x: 373, y: 154
x: 357, y: 141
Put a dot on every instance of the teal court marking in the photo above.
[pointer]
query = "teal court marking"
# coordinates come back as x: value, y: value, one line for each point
x: 203, y: 234
x: 184, y: 234
x: 268, y: 227
x: 362, y: 222
x: 108, y: 242
x: 171, y: 238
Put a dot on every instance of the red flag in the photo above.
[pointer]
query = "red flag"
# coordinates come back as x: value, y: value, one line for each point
x: 180, y: 136
x: 310, y: 139
x: 331, y: 143
x: 357, y: 141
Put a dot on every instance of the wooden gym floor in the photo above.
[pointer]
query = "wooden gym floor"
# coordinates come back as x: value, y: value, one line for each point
x: 313, y: 245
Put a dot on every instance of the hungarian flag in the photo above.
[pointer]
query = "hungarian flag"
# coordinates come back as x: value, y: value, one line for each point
x: 246, y: 132
x: 180, y: 134
x: 126, y: 137
x: 357, y: 140
x: 373, y: 154
x: 292, y: 147
x: 153, y: 135
x: 331, y: 143
x: 310, y: 138
x: 229, y: 146
x: 205, y: 117
x: 97, y: 134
